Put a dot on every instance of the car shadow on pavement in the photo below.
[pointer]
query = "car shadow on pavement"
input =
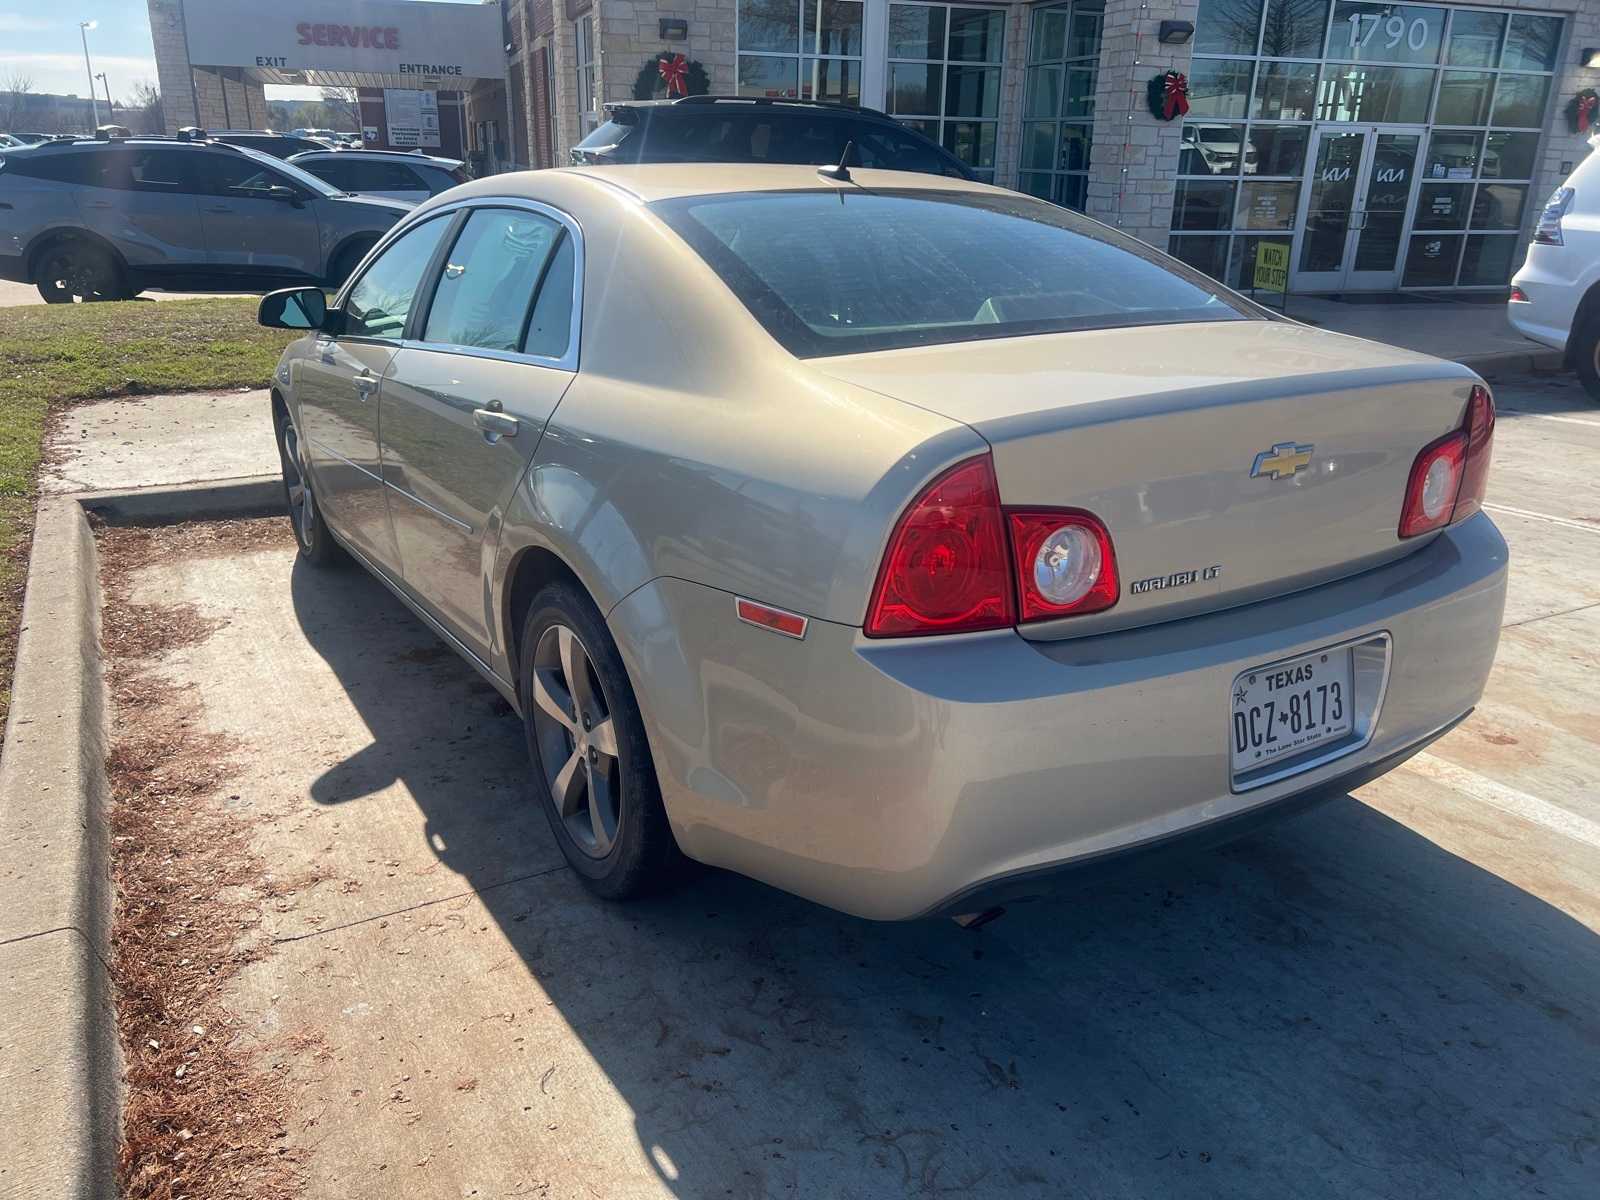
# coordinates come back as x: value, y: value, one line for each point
x: 1335, y: 1007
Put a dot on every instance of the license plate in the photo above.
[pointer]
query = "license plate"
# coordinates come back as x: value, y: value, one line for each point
x: 1289, y: 708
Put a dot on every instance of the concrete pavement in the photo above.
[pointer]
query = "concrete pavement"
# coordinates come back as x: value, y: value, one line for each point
x: 1394, y: 995
x: 15, y: 294
x: 1466, y: 330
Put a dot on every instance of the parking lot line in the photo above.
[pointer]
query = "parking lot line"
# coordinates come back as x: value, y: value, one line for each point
x: 1539, y: 516
x: 1507, y: 799
x: 1522, y: 412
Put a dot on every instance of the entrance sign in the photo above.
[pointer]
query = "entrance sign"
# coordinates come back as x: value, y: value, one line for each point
x: 413, y: 118
x: 367, y: 37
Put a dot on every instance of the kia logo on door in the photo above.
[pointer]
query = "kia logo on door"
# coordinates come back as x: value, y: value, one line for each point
x: 368, y: 37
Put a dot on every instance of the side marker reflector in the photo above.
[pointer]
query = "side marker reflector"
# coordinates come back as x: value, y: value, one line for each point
x: 765, y: 617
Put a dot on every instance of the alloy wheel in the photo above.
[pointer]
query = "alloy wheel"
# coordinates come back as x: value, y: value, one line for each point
x: 302, y: 508
x: 577, y: 741
x: 76, y: 277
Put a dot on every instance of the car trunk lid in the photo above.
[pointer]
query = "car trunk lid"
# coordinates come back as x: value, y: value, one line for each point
x: 1231, y: 461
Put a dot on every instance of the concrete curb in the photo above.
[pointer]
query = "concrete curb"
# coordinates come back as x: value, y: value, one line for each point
x: 1509, y: 362
x: 60, y: 1064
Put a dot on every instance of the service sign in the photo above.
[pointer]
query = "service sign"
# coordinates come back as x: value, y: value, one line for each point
x: 436, y: 42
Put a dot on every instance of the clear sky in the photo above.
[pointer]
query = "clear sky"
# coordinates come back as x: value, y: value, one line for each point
x: 39, y: 38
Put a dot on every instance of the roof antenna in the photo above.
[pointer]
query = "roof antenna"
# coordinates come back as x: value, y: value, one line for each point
x: 840, y: 173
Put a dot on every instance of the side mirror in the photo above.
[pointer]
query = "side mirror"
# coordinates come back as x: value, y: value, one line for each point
x: 279, y: 191
x: 293, y: 308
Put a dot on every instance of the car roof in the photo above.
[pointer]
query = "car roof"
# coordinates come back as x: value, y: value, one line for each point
x: 403, y: 156
x: 650, y: 182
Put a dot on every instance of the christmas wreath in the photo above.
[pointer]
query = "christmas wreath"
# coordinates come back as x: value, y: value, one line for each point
x: 1167, y: 95
x: 1581, y: 114
x: 670, y: 75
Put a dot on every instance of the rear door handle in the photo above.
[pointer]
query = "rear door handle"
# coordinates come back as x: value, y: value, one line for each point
x: 495, y: 425
x: 366, y: 384
x: 219, y: 208
x: 93, y: 204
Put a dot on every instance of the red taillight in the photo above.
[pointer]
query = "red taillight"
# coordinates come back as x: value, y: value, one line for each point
x: 1449, y: 476
x: 1065, y: 563
x: 952, y: 568
x: 1518, y: 296
x: 946, y: 569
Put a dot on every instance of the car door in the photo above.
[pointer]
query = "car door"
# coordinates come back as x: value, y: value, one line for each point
x: 247, y: 230
x: 337, y: 391
x: 464, y: 405
x: 145, y: 203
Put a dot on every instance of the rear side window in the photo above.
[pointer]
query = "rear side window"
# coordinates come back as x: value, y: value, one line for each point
x: 153, y: 169
x: 845, y: 272
x: 892, y: 149
x: 85, y: 168
x: 494, y: 276
x: 438, y: 179
x: 606, y: 135
x: 365, y: 175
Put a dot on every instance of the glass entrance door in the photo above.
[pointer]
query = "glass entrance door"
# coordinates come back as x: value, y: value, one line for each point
x: 1356, y: 208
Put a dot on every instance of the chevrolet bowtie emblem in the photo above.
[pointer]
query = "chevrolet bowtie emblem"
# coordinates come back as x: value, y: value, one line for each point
x: 1282, y: 461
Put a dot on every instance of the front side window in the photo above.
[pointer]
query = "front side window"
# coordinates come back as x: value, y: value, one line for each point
x: 849, y: 272
x: 495, y: 272
x: 380, y: 301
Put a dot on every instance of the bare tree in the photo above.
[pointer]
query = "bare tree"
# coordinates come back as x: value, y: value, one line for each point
x: 147, y: 107
x: 344, y: 107
x: 15, y: 86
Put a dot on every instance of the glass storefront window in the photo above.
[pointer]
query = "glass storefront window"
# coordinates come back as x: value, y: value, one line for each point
x: 780, y: 42
x: 1509, y: 155
x: 1267, y: 205
x: 1385, y: 33
x: 950, y: 87
x: 1442, y: 206
x: 1499, y: 206
x: 1477, y: 83
x: 1211, y: 149
x: 1204, y: 204
x: 1463, y: 98
x: 1519, y: 100
x: 1285, y: 91
x: 1453, y: 154
x: 1277, y: 150
x: 1532, y: 43
x: 1219, y: 87
x: 1059, y: 90
x: 1227, y: 27
x: 1380, y: 95
x: 1475, y: 38
x: 1294, y: 29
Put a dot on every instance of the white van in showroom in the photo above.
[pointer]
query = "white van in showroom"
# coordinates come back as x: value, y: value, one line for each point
x: 1555, y: 298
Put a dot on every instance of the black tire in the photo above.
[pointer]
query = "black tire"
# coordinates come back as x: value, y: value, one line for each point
x: 74, y: 271
x: 346, y: 261
x: 311, y: 533
x: 636, y: 854
x: 1585, y: 350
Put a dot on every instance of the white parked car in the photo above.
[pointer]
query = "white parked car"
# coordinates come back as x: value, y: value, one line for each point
x: 392, y: 175
x: 1555, y: 298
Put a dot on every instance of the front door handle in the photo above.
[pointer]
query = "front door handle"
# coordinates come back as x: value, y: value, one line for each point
x: 219, y: 208
x: 366, y: 384
x: 495, y: 425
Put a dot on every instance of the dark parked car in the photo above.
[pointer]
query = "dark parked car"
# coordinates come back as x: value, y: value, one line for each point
x: 279, y: 145
x: 742, y: 129
x: 104, y: 220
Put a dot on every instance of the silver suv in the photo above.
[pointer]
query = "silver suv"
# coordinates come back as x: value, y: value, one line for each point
x: 107, y: 219
x: 395, y: 175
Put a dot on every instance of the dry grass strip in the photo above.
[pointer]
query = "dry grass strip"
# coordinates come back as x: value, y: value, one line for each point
x: 207, y: 1101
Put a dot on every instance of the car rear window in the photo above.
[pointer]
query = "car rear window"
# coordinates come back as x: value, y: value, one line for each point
x: 846, y: 272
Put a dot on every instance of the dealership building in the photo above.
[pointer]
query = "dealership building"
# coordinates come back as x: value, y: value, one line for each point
x: 1366, y: 146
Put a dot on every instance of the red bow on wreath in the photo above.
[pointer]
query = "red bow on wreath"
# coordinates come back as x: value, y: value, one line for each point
x: 675, y: 71
x: 1175, y: 102
x: 1586, y: 107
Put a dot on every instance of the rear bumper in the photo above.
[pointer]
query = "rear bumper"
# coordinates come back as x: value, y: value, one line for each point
x: 1546, y: 316
x: 894, y: 779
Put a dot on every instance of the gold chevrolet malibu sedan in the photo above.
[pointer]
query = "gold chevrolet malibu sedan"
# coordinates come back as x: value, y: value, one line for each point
x: 897, y: 540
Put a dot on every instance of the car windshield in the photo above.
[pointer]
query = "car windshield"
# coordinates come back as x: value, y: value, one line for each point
x: 282, y: 167
x: 846, y: 272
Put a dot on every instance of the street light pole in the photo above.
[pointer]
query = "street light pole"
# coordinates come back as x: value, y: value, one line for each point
x: 94, y: 103
x: 111, y: 109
